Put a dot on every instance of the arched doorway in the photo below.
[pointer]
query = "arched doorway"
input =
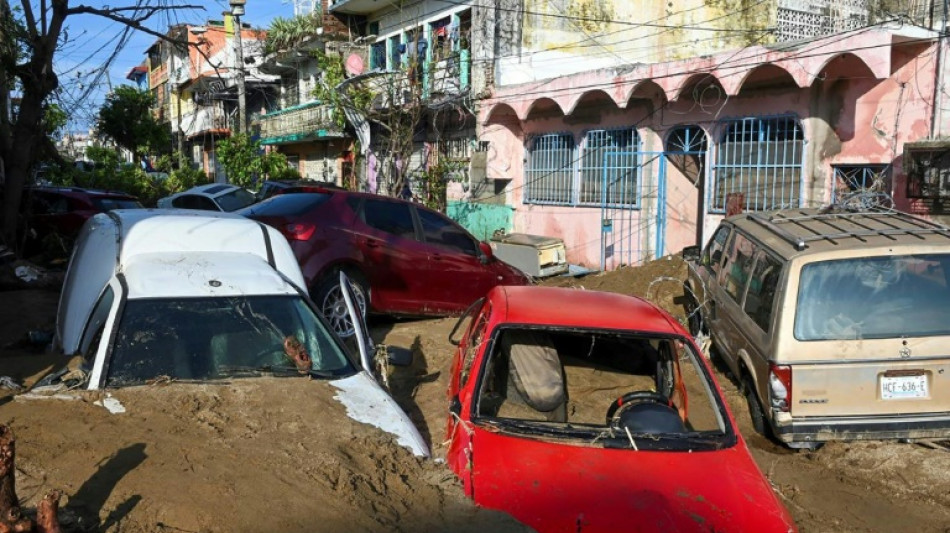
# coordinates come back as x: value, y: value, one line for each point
x: 686, y: 149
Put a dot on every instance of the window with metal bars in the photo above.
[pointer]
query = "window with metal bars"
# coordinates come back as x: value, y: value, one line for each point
x: 607, y: 158
x: 860, y: 178
x: 760, y: 161
x: 549, y: 172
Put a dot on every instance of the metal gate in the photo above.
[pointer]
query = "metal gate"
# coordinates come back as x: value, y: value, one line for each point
x: 633, y: 230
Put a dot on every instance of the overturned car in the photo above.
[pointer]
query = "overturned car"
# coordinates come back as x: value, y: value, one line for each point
x: 155, y: 295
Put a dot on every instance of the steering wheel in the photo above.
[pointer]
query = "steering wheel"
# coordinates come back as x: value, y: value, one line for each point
x: 633, y: 398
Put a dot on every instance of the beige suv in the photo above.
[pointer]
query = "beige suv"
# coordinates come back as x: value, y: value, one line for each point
x: 836, y: 323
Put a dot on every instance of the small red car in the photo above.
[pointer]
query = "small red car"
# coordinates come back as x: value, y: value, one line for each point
x: 586, y: 411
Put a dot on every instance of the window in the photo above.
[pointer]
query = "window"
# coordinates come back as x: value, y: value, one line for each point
x: 394, y: 58
x: 554, y: 174
x: 860, y: 178
x: 608, y: 157
x: 738, y: 266
x: 442, y: 233
x: 928, y: 173
x: 377, y: 57
x: 549, y: 174
x: 392, y: 217
x: 760, y: 161
x: 712, y: 257
x: 191, y: 201
x: 762, y: 286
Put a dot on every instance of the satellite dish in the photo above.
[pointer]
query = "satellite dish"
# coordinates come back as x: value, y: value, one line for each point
x: 354, y: 65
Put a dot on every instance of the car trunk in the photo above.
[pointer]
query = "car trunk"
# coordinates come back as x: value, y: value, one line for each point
x: 872, y: 377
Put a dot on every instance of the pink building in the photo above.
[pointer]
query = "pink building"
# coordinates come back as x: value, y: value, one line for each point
x: 635, y: 162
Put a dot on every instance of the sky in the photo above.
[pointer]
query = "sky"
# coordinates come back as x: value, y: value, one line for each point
x: 91, y: 41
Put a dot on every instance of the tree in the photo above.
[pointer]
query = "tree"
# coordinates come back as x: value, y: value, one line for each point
x: 126, y: 117
x: 246, y: 164
x: 30, y: 35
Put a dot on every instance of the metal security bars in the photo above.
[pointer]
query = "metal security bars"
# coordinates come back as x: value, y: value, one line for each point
x: 549, y: 172
x: 759, y: 160
x: 555, y: 175
x: 619, y: 173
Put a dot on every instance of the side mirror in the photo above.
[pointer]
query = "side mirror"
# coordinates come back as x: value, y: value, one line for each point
x: 691, y: 253
x: 716, y: 257
x: 487, y: 253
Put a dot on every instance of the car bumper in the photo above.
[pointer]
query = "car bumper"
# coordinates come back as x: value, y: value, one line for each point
x: 922, y: 426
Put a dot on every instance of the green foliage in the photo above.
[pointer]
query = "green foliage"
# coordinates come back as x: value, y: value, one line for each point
x: 126, y: 117
x: 113, y: 174
x: 54, y: 119
x: 283, y: 33
x: 246, y: 164
x: 354, y: 96
x: 435, y: 182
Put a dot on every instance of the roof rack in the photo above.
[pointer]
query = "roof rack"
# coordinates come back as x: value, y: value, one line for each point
x: 888, y: 224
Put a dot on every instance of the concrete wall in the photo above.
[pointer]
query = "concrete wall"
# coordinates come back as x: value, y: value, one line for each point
x: 857, y: 102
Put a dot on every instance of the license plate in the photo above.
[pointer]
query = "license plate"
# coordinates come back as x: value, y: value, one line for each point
x: 904, y: 387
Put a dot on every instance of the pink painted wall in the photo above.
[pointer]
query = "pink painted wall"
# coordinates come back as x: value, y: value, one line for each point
x: 855, y: 108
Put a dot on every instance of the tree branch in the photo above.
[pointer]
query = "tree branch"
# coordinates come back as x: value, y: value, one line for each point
x: 135, y: 23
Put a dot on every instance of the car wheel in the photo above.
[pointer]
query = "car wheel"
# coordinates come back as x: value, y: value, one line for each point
x: 330, y: 302
x: 694, y: 315
x: 759, y: 422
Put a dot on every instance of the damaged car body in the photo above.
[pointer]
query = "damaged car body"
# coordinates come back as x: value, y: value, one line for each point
x: 587, y: 411
x: 154, y: 295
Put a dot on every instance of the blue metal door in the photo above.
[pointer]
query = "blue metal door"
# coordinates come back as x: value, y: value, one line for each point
x: 630, y: 211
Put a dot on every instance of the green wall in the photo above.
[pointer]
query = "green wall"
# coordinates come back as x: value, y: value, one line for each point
x: 481, y: 219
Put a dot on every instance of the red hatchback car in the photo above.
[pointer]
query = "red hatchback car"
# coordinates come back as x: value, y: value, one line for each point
x: 402, y: 258
x: 587, y: 411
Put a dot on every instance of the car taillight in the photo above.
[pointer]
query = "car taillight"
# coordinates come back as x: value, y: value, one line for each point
x: 780, y: 384
x: 298, y: 231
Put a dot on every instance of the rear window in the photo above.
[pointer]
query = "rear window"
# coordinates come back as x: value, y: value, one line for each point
x: 105, y: 204
x: 235, y: 200
x: 874, y: 298
x: 287, y: 204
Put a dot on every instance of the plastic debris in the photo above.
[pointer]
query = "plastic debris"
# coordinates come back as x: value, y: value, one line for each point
x: 27, y: 273
x: 113, y: 405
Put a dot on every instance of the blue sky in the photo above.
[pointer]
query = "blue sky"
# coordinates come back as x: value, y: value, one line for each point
x: 92, y: 41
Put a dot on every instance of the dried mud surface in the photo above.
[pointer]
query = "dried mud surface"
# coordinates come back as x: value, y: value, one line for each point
x: 279, y: 454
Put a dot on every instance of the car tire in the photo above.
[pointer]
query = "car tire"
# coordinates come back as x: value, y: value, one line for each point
x: 694, y: 314
x: 329, y: 299
x: 759, y: 423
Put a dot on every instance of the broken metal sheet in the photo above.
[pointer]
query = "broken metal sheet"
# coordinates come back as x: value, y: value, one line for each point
x: 366, y: 402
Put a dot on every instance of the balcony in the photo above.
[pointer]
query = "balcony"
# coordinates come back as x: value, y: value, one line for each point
x: 205, y: 119
x: 305, y: 122
x: 358, y: 7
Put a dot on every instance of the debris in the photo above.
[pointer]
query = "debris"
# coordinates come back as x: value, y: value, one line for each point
x: 47, y: 520
x: 26, y: 273
x: 112, y: 404
x: 297, y: 353
x: 11, y: 516
x: 7, y: 382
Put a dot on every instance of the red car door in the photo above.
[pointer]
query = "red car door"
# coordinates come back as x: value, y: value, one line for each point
x: 392, y: 256
x: 454, y: 270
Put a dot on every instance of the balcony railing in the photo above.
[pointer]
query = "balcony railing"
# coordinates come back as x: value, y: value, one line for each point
x: 303, y: 122
x: 204, y: 119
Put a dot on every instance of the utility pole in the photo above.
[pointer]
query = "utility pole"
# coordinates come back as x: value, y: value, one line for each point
x: 237, y: 11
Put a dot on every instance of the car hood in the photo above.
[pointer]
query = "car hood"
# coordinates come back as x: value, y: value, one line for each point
x: 367, y: 402
x: 559, y: 487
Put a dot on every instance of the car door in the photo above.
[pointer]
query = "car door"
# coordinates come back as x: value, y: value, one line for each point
x: 467, y: 360
x: 454, y: 272
x: 392, y: 256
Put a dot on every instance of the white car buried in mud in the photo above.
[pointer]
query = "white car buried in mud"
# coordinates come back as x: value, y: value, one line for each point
x: 156, y: 295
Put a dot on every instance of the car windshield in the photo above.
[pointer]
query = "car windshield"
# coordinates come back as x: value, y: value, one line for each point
x: 210, y: 338
x: 874, y: 298
x: 287, y: 204
x: 569, y: 384
x: 235, y: 200
x: 106, y: 204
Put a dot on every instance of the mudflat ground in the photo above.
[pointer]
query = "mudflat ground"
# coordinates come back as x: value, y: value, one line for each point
x: 280, y: 454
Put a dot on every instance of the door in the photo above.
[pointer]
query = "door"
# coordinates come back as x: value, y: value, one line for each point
x: 363, y: 341
x: 686, y: 150
x: 392, y: 254
x: 454, y: 272
x: 621, y: 208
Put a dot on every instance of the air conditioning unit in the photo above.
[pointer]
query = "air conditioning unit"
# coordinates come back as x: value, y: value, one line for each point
x: 535, y: 255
